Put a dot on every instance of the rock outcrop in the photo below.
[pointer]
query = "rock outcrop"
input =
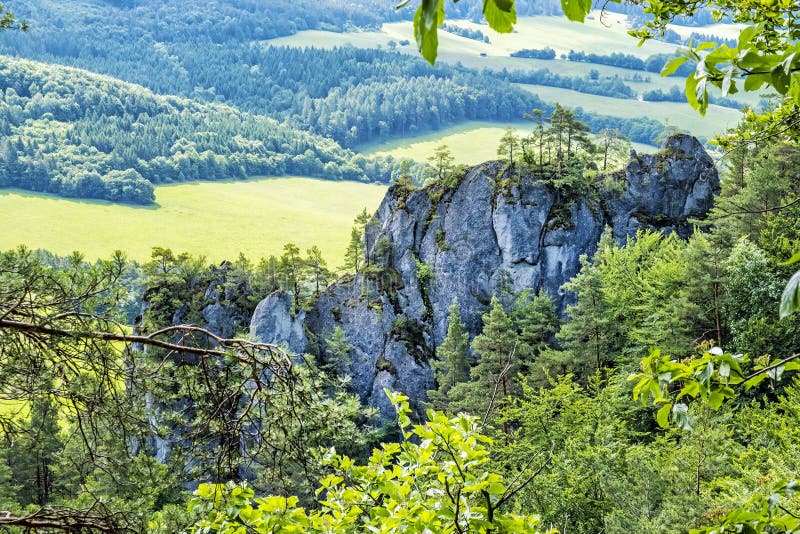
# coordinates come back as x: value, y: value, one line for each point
x: 434, y: 245
x: 274, y: 322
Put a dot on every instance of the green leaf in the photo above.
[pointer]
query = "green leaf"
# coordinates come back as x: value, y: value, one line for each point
x: 790, y: 300
x: 787, y: 63
x: 500, y: 14
x: 794, y: 259
x: 671, y: 66
x: 792, y: 366
x: 576, y: 10
x: 780, y: 79
x: 746, y: 35
x: 426, y: 24
x: 691, y: 91
x: 715, y: 399
x: 504, y: 5
x: 705, y: 374
x: 662, y: 416
x: 754, y: 81
x: 692, y: 389
x: 755, y: 381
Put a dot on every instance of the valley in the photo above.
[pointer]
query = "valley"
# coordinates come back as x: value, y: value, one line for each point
x: 430, y: 267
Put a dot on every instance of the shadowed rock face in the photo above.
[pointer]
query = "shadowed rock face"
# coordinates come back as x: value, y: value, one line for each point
x: 477, y: 236
x: 273, y: 322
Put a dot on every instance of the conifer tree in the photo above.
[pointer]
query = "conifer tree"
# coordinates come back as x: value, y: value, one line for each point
x: 535, y: 319
x: 353, y: 255
x: 585, y: 335
x: 441, y: 164
x: 509, y: 144
x: 318, y: 269
x: 494, y: 378
x: 291, y: 267
x: 34, y: 455
x: 451, y: 364
x: 338, y: 348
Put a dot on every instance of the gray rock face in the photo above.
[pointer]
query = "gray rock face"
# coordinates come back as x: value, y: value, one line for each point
x: 465, y: 242
x: 273, y: 322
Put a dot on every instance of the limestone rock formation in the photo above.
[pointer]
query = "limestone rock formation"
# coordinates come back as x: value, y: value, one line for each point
x: 273, y: 322
x: 492, y: 228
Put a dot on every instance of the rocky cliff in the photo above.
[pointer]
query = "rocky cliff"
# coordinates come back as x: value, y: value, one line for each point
x: 492, y: 228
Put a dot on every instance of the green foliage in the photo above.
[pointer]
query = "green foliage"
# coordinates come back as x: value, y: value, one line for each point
x: 500, y: 357
x: 710, y: 378
x: 761, y: 514
x: 589, y: 334
x: 442, y: 169
x: 508, y: 144
x: 82, y: 123
x: 436, y: 480
x: 451, y: 364
x: 500, y: 14
x: 8, y: 20
x: 790, y: 300
x: 338, y: 348
x: 425, y: 272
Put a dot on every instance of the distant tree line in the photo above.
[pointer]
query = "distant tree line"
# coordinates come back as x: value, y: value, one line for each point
x: 352, y: 96
x: 652, y: 63
x: 612, y: 86
x: 676, y: 94
x: 475, y: 35
x: 535, y: 53
x: 318, y: 90
x: 698, y: 38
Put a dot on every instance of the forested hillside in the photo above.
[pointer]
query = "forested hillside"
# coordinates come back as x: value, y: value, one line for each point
x: 82, y: 135
x: 370, y: 94
x: 224, y: 59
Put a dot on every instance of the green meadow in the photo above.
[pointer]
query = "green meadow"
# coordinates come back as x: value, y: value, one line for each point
x: 601, y: 34
x: 215, y: 219
x: 470, y: 142
x: 678, y: 114
x: 602, y: 37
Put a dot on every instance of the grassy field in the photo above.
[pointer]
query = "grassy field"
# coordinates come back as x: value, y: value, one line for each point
x: 531, y: 32
x: 601, y: 37
x: 470, y: 142
x: 678, y: 114
x: 216, y: 219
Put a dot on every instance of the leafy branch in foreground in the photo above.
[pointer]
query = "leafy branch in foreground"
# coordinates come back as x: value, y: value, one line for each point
x: 434, y: 481
x: 8, y: 21
x: 762, y: 513
x: 105, y: 398
x: 710, y: 377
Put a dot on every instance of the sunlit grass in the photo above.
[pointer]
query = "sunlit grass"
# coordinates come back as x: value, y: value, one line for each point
x: 470, y: 142
x: 215, y: 219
